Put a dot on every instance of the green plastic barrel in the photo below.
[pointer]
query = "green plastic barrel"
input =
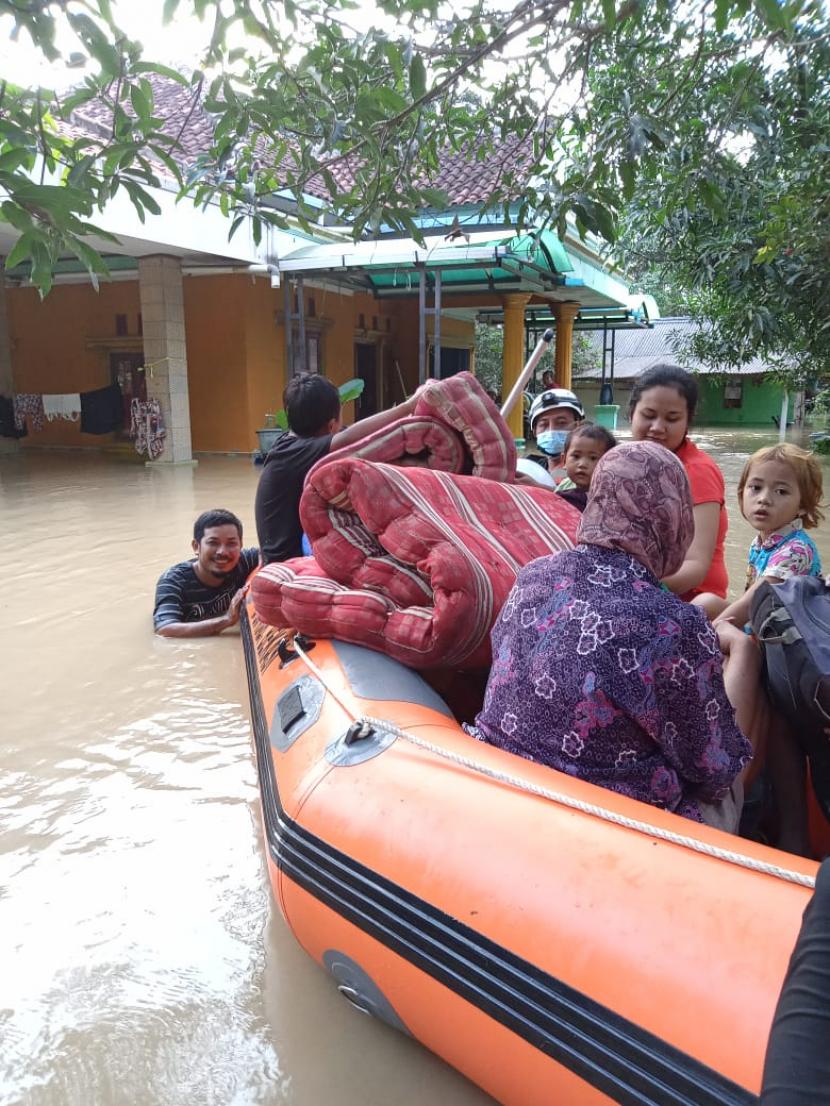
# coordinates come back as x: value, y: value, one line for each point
x: 605, y: 414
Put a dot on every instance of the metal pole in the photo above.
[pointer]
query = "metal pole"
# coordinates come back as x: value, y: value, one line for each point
x: 613, y: 359
x: 289, y: 329
x: 422, y: 328
x: 436, y: 330
x: 526, y: 373
x: 301, y: 318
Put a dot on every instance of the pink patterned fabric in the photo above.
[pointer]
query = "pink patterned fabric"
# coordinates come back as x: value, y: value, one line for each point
x: 412, y: 562
x: 461, y: 402
x: 413, y: 440
x: 640, y: 502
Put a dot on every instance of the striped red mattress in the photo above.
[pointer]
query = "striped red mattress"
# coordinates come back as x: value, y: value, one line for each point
x: 412, y: 562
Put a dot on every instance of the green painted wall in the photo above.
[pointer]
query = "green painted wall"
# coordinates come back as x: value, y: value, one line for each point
x: 760, y: 400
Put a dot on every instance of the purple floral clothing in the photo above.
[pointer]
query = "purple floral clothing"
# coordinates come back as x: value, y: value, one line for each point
x: 600, y: 674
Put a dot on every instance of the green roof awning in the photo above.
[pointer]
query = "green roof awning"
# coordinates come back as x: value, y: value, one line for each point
x: 479, y: 261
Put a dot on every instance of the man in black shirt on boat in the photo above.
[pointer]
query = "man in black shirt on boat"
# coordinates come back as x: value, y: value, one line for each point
x: 312, y: 404
x: 203, y: 597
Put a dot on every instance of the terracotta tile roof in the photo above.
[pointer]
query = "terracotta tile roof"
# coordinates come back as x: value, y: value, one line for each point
x: 469, y: 181
x: 173, y: 103
x: 465, y: 179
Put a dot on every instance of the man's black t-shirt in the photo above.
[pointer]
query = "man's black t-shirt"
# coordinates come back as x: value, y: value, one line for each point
x: 277, y: 508
x: 182, y: 597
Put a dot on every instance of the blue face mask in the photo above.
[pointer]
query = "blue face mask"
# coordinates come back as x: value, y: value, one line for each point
x: 552, y: 442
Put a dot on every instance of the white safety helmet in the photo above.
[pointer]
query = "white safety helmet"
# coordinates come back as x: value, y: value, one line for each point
x: 555, y: 397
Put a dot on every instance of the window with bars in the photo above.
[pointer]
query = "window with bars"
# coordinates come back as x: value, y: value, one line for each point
x: 733, y: 394
x: 313, y: 360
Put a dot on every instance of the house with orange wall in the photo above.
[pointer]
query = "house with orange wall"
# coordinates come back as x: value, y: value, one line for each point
x: 206, y: 325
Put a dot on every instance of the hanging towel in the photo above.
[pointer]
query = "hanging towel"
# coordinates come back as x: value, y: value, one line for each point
x: 26, y: 403
x: 101, y: 410
x: 8, y: 427
x: 62, y: 407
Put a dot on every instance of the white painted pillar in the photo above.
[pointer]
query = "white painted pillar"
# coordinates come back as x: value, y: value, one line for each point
x: 165, y: 353
x: 7, y: 445
x: 785, y: 410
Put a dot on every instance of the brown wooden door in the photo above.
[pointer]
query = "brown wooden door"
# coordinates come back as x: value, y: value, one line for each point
x: 366, y: 368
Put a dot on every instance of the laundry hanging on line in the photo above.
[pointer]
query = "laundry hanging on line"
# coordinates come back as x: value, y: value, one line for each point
x: 67, y: 406
x: 147, y: 427
x: 102, y: 410
x: 31, y: 405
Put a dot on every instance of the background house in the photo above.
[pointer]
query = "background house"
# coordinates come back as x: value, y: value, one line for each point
x: 214, y: 328
x: 748, y: 396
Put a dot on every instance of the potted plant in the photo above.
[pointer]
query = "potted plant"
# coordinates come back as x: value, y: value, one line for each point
x: 276, y: 422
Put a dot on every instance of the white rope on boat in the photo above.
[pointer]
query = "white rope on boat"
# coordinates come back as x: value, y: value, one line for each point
x: 592, y: 809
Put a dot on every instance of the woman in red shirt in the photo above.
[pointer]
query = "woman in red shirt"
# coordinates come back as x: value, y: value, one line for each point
x: 661, y: 410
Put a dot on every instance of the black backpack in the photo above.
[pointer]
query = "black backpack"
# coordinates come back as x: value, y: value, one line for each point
x: 792, y: 622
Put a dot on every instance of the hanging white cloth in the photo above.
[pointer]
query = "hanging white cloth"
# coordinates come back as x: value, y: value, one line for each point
x: 66, y: 406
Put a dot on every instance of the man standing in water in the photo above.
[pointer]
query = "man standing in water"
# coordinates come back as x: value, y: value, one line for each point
x: 202, y: 597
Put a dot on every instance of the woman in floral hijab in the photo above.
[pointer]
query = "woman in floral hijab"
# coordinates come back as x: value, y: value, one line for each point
x: 601, y: 674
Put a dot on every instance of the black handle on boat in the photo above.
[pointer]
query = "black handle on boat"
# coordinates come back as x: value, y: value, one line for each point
x: 358, y: 731
x: 287, y: 654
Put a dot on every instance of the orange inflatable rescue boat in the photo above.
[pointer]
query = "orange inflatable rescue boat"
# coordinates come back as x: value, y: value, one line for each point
x: 553, y: 941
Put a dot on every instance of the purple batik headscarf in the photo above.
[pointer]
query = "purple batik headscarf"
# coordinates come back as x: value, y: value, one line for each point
x: 640, y: 502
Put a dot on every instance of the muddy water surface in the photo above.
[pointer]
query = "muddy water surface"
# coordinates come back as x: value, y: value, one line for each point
x: 143, y: 960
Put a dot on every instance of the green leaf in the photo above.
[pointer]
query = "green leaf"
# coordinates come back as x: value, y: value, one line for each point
x: 169, y: 10
x: 773, y: 14
x: 723, y: 10
x: 609, y: 13
x: 80, y: 169
x: 417, y: 77
x: 142, y: 104
x: 391, y: 99
x: 162, y: 71
x: 13, y: 159
x: 141, y: 199
x: 20, y: 250
x: 395, y: 58
x: 435, y: 197
x: 18, y: 218
x: 95, y: 41
x: 171, y: 165
x: 73, y: 101
x: 629, y: 179
x: 351, y: 390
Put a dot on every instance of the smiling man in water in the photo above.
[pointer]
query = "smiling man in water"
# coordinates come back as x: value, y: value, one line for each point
x: 202, y: 597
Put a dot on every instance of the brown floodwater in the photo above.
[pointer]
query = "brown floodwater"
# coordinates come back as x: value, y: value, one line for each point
x: 144, y: 961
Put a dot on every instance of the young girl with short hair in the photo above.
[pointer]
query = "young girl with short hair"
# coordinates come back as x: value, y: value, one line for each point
x: 583, y: 448
x: 779, y: 494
